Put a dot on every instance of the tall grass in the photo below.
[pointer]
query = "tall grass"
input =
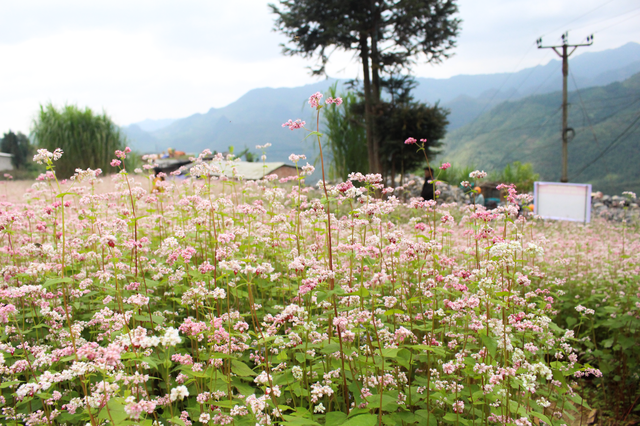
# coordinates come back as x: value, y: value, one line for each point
x: 345, y: 138
x: 87, y: 139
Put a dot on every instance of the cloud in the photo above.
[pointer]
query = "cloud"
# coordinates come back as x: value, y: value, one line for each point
x: 165, y: 59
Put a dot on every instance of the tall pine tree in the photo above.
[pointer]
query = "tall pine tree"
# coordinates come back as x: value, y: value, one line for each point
x: 388, y: 35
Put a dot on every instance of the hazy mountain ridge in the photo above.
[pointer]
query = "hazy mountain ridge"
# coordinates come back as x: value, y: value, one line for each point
x: 528, y: 130
x: 256, y: 117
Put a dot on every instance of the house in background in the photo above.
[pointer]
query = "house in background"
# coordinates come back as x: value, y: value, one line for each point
x: 256, y: 171
x: 5, y: 161
x: 247, y: 170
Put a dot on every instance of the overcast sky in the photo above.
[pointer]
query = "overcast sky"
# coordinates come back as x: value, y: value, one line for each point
x: 139, y: 59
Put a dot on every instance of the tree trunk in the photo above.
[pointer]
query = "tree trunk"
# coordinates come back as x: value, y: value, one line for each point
x: 375, y: 84
x: 364, y: 55
x: 393, y: 172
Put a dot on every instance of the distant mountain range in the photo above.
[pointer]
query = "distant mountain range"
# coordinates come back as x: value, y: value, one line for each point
x: 256, y: 117
x: 605, y: 150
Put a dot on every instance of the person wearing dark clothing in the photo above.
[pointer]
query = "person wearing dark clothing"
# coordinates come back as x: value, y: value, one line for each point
x: 427, y: 188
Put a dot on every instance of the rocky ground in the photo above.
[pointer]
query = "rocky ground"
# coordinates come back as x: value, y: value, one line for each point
x: 609, y: 207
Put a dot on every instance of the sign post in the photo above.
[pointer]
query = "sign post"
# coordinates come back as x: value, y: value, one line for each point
x: 562, y: 201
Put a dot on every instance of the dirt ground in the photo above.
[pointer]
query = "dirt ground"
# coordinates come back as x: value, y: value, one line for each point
x: 13, y: 191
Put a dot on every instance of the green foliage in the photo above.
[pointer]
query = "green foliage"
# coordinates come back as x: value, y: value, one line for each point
x: 400, y: 118
x: 345, y: 137
x: 249, y: 156
x: 522, y: 175
x: 87, y: 139
x: 387, y: 35
x: 19, y: 146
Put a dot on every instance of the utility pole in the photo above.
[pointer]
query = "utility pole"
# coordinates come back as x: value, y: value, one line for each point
x: 564, y: 54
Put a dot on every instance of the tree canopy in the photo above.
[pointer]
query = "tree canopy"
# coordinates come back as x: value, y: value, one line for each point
x: 87, y: 139
x: 388, y: 36
x: 18, y: 145
x: 403, y: 117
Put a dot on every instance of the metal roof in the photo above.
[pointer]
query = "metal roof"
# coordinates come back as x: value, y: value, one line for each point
x: 248, y: 171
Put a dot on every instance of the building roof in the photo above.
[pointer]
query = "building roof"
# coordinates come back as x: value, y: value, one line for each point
x: 248, y: 171
x: 4, y: 154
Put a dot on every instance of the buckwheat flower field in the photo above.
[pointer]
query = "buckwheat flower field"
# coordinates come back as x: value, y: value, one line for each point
x: 222, y: 301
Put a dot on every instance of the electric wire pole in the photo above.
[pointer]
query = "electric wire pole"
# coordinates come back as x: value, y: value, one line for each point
x: 564, y: 54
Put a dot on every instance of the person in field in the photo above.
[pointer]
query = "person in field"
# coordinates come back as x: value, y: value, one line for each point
x: 427, y: 188
x: 158, y: 177
x: 479, y: 199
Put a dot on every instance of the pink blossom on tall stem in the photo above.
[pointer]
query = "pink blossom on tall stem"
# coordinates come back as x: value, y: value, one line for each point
x: 115, y: 163
x: 292, y: 125
x: 314, y: 100
x: 445, y: 166
x: 410, y: 141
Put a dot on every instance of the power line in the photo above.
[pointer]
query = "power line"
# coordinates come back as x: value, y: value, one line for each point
x: 526, y: 102
x: 591, y: 24
x: 584, y: 112
x: 479, y: 132
x: 617, y: 23
x: 500, y: 88
x: 611, y: 145
x: 578, y: 18
x: 517, y: 147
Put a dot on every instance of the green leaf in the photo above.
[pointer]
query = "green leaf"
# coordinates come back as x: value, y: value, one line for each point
x: 335, y: 418
x: 62, y: 194
x: 177, y: 420
x: 53, y: 281
x: 390, y: 352
x: 425, y: 415
x: 115, y: 411
x: 331, y: 348
x: 298, y: 421
x: 241, y: 369
x: 450, y: 417
x: 362, y: 420
x: 318, y: 134
x: 541, y: 417
x: 490, y: 344
x: 376, y: 402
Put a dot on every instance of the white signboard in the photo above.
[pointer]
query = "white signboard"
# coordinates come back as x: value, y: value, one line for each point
x: 562, y: 201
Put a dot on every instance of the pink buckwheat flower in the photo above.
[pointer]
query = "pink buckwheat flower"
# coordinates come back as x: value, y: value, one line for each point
x: 314, y: 100
x: 410, y: 141
x: 445, y: 166
x: 293, y: 125
x: 115, y: 163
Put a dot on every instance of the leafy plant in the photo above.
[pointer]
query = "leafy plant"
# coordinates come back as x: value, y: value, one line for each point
x: 345, y: 137
x: 88, y: 140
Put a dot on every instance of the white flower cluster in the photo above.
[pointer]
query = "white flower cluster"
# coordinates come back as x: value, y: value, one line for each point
x: 477, y: 174
x: 179, y: 392
x: 88, y: 175
x: 171, y: 337
x: 45, y: 156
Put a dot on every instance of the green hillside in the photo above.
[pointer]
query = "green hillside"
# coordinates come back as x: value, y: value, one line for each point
x: 604, y: 152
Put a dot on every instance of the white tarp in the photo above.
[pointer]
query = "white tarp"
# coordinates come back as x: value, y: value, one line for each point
x: 562, y: 201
